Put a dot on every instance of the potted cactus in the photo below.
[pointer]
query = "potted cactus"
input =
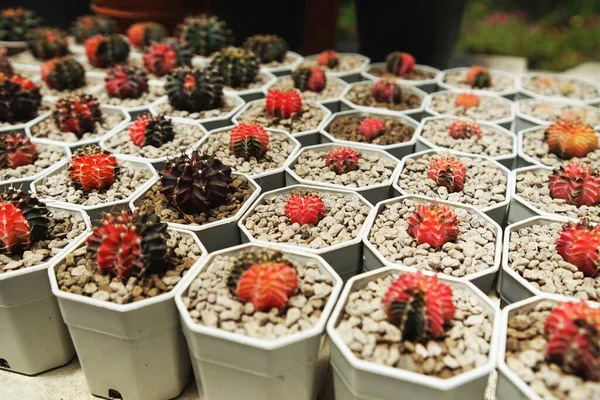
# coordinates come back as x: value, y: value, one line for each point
x: 287, y: 111
x: 253, y: 150
x: 93, y: 180
x: 115, y: 290
x: 538, y: 85
x: 361, y: 169
x: 273, y: 53
x: 76, y: 120
x: 86, y: 26
x: 20, y: 100
x: 294, y: 291
x: 437, y: 236
x: 323, y: 221
x: 548, y: 350
x: 346, y: 66
x: 198, y: 192
x: 204, y: 34
x: 535, y: 112
x: 33, y: 238
x: 66, y: 75
x: 395, y: 331
x: 43, y: 43
x: 161, y: 58
x: 468, y: 136
x: 143, y: 34
x: 106, y: 50
x: 401, y: 67
x: 15, y: 23
x: 480, y: 78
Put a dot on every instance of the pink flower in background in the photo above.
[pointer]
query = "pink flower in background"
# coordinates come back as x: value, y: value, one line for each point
x: 497, y: 18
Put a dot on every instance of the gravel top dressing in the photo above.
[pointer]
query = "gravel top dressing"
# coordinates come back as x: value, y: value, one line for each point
x: 493, y: 141
x: 185, y: 136
x: 310, y: 118
x: 90, y: 83
x: 259, y: 82
x: 559, y: 86
x: 146, y: 99
x: 547, y: 110
x: 463, y: 346
x: 211, y: 303
x: 47, y: 129
x: 458, y: 80
x: 63, y: 229
x: 491, y: 108
x: 535, y: 146
x: 533, y: 187
x: 344, y: 217
x: 287, y: 61
x: 532, y: 254
x: 79, y: 274
x: 59, y: 187
x: 372, y: 169
x: 346, y: 128
x: 229, y: 103
x: 47, y: 156
x: 26, y: 57
x: 332, y: 89
x: 526, y: 356
x: 473, y: 251
x: 278, y: 150
x: 361, y: 95
x: 485, y: 183
x: 417, y: 74
x: 347, y: 63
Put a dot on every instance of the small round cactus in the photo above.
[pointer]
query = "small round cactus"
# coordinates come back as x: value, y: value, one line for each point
x: 467, y: 100
x: 63, y: 74
x: 576, y: 183
x: 92, y: 168
x: 462, y: 129
x: 479, y: 77
x: 449, y: 172
x: 204, y: 34
x: 568, y: 139
x: 371, y: 127
x: 579, y: 244
x: 162, y: 58
x: 194, y: 90
x: 312, y: 79
x: 23, y: 220
x: 142, y: 34
x: 77, y: 114
x: 87, y: 26
x: 304, y: 209
x: 16, y: 150
x: 46, y: 43
x: 267, y: 285
x: 283, y: 104
x: 399, y: 63
x: 419, y: 306
x: 20, y: 99
x: 433, y: 224
x: 238, y: 67
x: 342, y: 160
x: 386, y: 91
x: 106, y: 51
x: 328, y: 59
x: 15, y: 23
x: 148, y: 130
x: 126, y: 82
x: 249, y: 140
x: 268, y: 48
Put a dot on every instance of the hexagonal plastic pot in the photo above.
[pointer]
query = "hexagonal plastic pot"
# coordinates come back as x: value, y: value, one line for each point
x: 356, y: 379
x: 158, y: 162
x: 510, y: 94
x: 306, y: 138
x: 287, y: 368
x: 503, y: 122
x: 498, y: 212
x: 136, y: 110
x: 95, y: 212
x: 416, y: 113
x: 525, y: 121
x: 34, y: 337
x: 508, y: 160
x: 214, y: 235
x: 285, y: 69
x: 528, y: 94
x: 426, y: 85
x: 82, y: 142
x: 255, y: 93
x: 331, y: 103
x: 524, y: 159
x: 350, y: 76
x: 132, y: 351
x: 398, y: 150
x: 345, y: 258
x: 374, y: 260
x: 269, y: 180
x: 373, y: 193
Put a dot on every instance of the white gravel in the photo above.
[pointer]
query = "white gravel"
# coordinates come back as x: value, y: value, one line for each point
x: 491, y: 108
x: 550, y: 111
x: 47, y: 129
x: 229, y: 103
x: 348, y: 63
x: 535, y: 146
x: 333, y: 89
x: 287, y: 62
x: 310, y: 118
x: 146, y: 99
x: 458, y: 80
x: 47, y: 156
x: 554, y: 85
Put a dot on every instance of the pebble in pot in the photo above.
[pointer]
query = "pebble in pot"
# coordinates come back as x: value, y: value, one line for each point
x: 401, y: 67
x: 385, y: 94
x: 548, y: 85
x: 480, y: 78
x: 312, y: 82
x: 478, y: 106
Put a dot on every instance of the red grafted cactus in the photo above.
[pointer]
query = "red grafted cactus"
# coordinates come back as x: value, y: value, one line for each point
x: 148, y: 130
x: 465, y: 129
x: 249, y: 140
x: 20, y: 98
x: 433, y: 224
x: 307, y: 209
x: 283, y: 104
x: 126, y: 82
x: 575, y: 183
x: 77, y: 114
x: 479, y: 77
x: 570, y: 116
x: 570, y: 138
x: 267, y: 285
x: 419, y: 305
x: 23, y: 221
x: 143, y: 34
x: 449, y: 172
x: 371, y: 127
x: 329, y: 59
x: 162, y: 58
x: 312, y: 79
x: 105, y: 50
x: 467, y: 100
x: 573, y: 334
x: 387, y: 92
x: 399, y: 63
x: 16, y: 150
x: 128, y: 245
x: 342, y: 160
x: 92, y: 168
x: 579, y: 244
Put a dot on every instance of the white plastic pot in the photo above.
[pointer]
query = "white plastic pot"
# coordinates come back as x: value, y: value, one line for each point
x: 524, y: 159
x: 268, y: 180
x: 288, y: 368
x: 306, y: 138
x: 285, y: 69
x: 137, y: 350
x: 356, y: 379
x: 398, y: 150
x: 526, y: 121
x: 426, y: 85
x: 255, y: 93
x: 95, y: 212
x: 510, y: 94
x: 498, y: 212
x: 350, y: 76
x: 529, y: 94
x: 373, y: 193
x: 214, y: 235
x: 506, y: 122
x: 373, y: 259
x: 508, y: 160
x: 345, y: 258
x: 34, y: 337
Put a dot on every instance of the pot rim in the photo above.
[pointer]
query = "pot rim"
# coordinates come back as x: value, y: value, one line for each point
x: 367, y: 75
x: 508, y: 92
x: 341, y: 74
x: 285, y: 67
x: 165, y: 99
x: 541, y: 122
x: 414, y: 89
x: 535, y: 95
